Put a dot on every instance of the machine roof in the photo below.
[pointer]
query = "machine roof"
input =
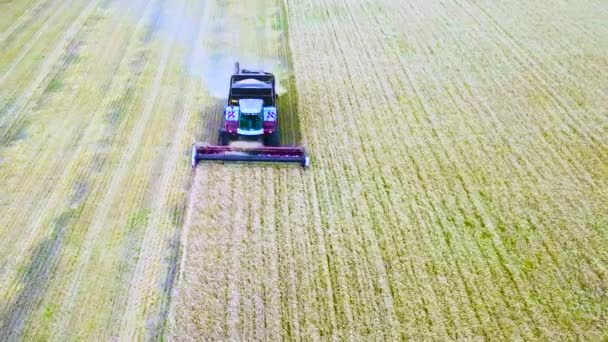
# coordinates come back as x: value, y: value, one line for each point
x: 251, y: 106
x: 251, y: 83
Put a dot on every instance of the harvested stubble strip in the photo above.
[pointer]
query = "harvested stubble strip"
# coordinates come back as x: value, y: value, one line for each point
x: 117, y: 245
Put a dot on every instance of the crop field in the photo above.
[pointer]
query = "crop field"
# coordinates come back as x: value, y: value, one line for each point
x: 458, y: 186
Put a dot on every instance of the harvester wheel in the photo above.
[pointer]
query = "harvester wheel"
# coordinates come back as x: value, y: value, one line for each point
x: 272, y: 139
x: 224, y: 139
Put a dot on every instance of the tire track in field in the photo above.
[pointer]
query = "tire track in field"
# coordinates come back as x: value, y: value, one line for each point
x: 11, y: 117
x: 117, y: 177
x: 238, y: 224
x: 151, y: 242
x: 272, y: 300
x: 254, y: 310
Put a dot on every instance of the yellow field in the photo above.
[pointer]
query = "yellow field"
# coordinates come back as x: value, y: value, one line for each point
x: 458, y: 188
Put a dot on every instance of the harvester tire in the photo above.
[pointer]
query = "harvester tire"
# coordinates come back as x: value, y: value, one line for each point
x: 272, y: 139
x: 224, y: 139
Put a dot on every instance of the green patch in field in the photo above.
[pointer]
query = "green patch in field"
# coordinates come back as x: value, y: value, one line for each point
x: 538, y: 99
x: 49, y: 311
x: 501, y: 226
x: 403, y: 46
x: 276, y: 24
x: 39, y: 57
x: 510, y: 244
x: 528, y: 266
x: 118, y: 107
x: 598, y: 224
x: 6, y: 104
x: 14, y: 133
x: 403, y: 99
x: 178, y: 212
x: 54, y: 85
x: 468, y: 223
x: 447, y: 236
x: 36, y: 275
x: 139, y: 219
x: 79, y: 191
x: 577, y: 96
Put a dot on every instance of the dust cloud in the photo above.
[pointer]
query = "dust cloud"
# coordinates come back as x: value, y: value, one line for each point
x: 213, y: 46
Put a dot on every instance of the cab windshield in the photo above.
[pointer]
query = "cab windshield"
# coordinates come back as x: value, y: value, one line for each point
x: 250, y: 121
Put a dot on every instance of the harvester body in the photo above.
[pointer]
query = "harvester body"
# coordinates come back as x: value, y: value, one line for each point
x: 251, y: 113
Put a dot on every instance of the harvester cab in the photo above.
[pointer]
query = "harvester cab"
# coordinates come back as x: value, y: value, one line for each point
x: 251, y: 113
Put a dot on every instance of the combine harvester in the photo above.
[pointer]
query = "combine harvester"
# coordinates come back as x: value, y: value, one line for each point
x: 250, y: 114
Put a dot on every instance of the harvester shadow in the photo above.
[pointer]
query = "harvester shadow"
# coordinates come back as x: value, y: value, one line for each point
x: 289, y: 120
